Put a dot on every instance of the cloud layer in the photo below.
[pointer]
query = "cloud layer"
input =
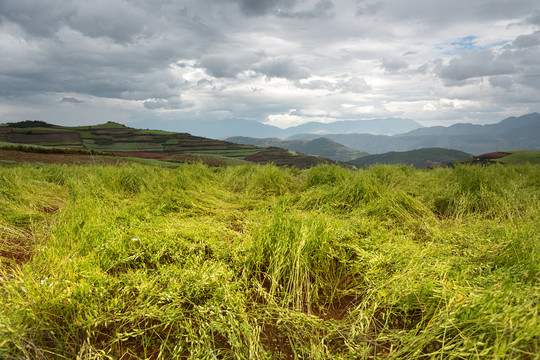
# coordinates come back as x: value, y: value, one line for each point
x: 282, y: 62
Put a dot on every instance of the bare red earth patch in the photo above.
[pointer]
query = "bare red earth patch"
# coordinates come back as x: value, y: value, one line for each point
x: 276, y: 341
x: 16, y: 250
x: 336, y: 310
x: 36, y: 136
x: 493, y: 155
x: 68, y: 159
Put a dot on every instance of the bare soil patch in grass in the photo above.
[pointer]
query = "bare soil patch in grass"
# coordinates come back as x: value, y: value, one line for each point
x: 16, y: 250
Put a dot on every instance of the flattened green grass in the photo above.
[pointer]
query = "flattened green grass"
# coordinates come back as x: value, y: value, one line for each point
x: 240, y: 154
x: 256, y: 262
x: 154, y: 132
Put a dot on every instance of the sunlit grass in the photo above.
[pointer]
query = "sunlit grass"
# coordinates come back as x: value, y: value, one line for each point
x: 256, y: 262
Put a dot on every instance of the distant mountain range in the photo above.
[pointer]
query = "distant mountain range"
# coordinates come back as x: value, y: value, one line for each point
x: 230, y: 128
x: 320, y: 146
x: 392, y: 126
x: 513, y: 133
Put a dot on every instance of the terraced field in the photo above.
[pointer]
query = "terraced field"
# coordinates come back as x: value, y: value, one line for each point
x: 149, y: 144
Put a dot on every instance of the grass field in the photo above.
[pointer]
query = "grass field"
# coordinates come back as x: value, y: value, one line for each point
x: 37, y: 128
x: 233, y: 153
x: 10, y: 144
x: 256, y: 262
x: 127, y: 147
x: 107, y: 125
x: 521, y: 156
x: 154, y: 132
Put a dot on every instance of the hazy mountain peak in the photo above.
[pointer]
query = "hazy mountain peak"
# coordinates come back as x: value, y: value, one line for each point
x: 234, y: 127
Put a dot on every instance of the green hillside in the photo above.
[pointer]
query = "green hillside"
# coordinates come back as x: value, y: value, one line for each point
x: 515, y: 157
x: 320, y: 147
x: 521, y: 157
x: 421, y: 158
x: 118, y: 139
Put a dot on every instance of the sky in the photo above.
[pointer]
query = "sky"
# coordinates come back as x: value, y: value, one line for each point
x: 161, y: 63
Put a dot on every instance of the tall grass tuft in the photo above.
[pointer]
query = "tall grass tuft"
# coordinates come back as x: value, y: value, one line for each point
x: 493, y: 192
x: 298, y: 257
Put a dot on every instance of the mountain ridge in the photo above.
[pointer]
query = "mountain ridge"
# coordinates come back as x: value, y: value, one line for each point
x: 388, y: 126
x: 236, y: 127
x: 513, y: 133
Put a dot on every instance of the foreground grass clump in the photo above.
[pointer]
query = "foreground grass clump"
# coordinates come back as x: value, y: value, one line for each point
x: 256, y: 262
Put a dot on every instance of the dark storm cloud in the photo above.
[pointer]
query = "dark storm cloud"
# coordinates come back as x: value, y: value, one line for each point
x: 534, y: 18
x: 321, y: 10
x: 286, y: 8
x: 170, y: 104
x: 262, y: 7
x: 204, y: 82
x: 529, y: 40
x: 229, y: 62
x: 393, y: 65
x: 256, y: 7
x: 102, y: 19
x: 88, y: 67
x: 281, y: 67
x: 71, y: 100
x: 503, y: 82
x: 437, y: 15
x: 503, y: 9
x: 37, y: 18
x: 88, y: 48
x: 368, y: 8
x: 476, y: 64
x: 113, y: 19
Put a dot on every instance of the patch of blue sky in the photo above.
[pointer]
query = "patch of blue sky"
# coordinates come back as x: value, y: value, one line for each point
x: 467, y: 43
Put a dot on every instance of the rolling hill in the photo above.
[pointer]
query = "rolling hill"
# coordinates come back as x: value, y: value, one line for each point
x: 117, y: 139
x: 420, y: 158
x: 517, y: 157
x: 320, y: 147
x: 521, y: 157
